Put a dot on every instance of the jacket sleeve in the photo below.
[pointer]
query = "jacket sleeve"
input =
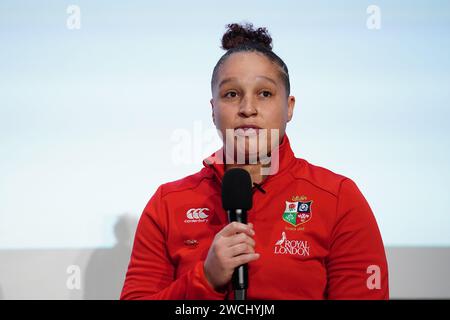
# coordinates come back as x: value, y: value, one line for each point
x: 151, y: 273
x: 356, y: 264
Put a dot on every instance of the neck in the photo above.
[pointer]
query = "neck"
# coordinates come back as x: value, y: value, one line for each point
x: 253, y: 169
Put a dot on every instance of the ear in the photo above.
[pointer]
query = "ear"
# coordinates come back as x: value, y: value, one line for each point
x: 212, y: 110
x: 291, y: 105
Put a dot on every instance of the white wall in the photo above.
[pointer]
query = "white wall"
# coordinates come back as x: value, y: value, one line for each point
x: 87, y: 119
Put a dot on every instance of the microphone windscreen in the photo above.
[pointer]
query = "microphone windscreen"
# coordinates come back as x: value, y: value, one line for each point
x: 236, y: 189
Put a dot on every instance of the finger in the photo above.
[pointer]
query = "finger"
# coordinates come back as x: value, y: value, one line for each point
x: 240, y: 248
x: 235, y: 227
x: 240, y: 238
x: 244, y: 258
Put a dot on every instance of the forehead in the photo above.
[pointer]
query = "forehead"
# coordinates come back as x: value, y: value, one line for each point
x: 243, y: 66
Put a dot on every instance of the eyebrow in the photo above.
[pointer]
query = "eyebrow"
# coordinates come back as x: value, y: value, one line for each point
x: 230, y: 79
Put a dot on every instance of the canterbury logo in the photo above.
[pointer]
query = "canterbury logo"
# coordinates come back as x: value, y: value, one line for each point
x: 197, y: 213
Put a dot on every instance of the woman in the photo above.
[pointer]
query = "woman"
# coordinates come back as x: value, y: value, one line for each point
x: 311, y: 233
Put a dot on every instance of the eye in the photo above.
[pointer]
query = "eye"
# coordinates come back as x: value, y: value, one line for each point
x: 266, y: 93
x: 230, y: 94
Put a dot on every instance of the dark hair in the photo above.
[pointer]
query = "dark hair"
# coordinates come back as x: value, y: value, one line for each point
x: 240, y: 38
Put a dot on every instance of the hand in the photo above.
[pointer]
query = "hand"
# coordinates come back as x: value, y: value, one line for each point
x: 232, y: 246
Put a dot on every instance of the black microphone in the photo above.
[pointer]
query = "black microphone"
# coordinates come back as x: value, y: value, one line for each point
x: 236, y: 200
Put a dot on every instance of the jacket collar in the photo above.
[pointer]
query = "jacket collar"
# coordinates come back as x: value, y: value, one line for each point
x: 284, y: 158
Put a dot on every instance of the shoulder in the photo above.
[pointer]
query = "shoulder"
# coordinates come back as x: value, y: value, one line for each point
x: 320, y: 177
x: 184, y: 187
x: 187, y: 183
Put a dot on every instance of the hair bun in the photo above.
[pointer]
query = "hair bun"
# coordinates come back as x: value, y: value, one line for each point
x: 238, y: 34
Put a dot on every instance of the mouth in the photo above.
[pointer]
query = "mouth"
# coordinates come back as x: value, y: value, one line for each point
x: 247, y: 127
x: 247, y: 130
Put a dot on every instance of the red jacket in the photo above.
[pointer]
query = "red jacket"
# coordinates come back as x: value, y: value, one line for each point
x: 316, y: 234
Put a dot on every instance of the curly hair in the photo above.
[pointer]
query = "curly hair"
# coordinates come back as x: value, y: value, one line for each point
x: 243, y: 37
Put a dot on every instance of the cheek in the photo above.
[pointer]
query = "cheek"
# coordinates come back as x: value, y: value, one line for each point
x: 223, y: 116
x: 276, y: 118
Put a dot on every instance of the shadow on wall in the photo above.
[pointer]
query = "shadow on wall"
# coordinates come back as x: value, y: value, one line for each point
x: 1, y: 293
x: 105, y: 271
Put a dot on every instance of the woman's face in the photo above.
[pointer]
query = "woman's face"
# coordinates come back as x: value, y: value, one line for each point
x: 249, y: 92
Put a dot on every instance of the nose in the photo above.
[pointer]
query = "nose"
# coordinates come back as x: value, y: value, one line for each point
x: 247, y: 108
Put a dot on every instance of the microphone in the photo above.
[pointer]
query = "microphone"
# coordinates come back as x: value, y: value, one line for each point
x: 236, y: 200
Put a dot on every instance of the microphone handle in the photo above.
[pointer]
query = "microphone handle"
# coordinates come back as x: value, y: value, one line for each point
x: 240, y: 274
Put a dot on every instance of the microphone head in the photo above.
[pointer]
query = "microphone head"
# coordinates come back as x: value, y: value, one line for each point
x: 236, y: 189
